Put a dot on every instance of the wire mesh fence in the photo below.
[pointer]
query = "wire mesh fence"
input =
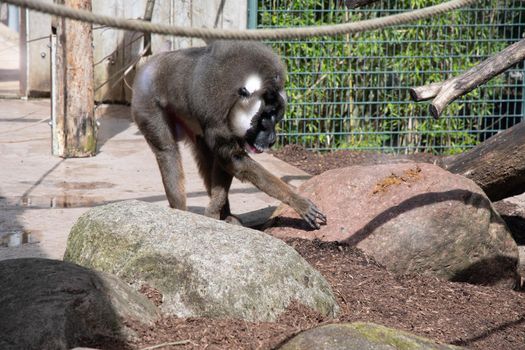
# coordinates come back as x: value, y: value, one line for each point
x: 351, y: 91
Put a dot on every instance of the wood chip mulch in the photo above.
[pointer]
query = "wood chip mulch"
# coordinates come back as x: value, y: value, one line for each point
x: 477, y: 317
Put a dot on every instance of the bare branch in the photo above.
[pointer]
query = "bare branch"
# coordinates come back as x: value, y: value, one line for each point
x: 425, y: 92
x: 449, y: 90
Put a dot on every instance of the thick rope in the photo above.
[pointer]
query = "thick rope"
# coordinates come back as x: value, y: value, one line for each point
x: 250, y: 34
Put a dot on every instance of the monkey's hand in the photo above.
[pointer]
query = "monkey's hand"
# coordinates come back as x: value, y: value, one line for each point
x: 309, y: 212
x: 246, y: 169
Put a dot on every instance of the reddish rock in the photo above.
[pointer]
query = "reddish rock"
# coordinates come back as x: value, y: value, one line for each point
x: 412, y: 218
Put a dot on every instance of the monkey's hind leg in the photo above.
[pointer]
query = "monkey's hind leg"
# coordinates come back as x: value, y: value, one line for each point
x: 163, y: 142
x: 170, y: 166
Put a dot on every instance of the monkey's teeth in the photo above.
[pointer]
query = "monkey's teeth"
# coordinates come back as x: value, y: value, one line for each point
x: 250, y: 148
x: 253, y: 149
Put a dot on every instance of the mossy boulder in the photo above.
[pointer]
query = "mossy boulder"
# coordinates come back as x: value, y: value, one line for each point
x: 202, y: 267
x: 360, y: 336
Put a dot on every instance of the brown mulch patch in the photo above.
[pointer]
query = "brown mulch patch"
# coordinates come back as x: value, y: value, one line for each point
x: 462, y: 314
x: 477, y: 317
x: 411, y: 175
x: 315, y: 163
x: 151, y: 293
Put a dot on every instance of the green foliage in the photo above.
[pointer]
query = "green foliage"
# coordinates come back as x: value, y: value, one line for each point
x: 351, y: 91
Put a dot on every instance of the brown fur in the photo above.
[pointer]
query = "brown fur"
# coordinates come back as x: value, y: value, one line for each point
x: 190, y: 94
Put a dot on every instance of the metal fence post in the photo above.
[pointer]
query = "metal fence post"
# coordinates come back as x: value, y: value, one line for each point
x: 252, y: 14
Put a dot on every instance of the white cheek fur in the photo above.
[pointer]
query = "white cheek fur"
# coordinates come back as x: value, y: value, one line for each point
x: 253, y: 83
x: 242, y: 117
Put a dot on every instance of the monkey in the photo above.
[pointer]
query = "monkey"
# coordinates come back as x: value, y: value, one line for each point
x: 225, y: 99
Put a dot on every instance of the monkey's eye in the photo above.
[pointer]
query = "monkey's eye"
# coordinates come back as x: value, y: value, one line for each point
x: 243, y: 92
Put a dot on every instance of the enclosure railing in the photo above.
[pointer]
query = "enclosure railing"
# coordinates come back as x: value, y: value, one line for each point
x: 351, y: 91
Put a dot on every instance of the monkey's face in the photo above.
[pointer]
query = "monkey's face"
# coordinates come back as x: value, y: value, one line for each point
x: 259, y: 108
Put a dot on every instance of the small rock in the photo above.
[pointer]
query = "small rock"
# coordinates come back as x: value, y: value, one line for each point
x: 202, y: 267
x: 360, y: 336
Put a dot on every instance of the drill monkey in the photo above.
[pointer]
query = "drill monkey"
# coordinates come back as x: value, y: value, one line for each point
x: 225, y: 99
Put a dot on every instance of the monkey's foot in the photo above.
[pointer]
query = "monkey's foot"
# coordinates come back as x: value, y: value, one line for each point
x: 234, y: 220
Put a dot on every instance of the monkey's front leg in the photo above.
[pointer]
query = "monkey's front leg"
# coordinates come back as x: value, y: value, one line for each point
x: 246, y: 169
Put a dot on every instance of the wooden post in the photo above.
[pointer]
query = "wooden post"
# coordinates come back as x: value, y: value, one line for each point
x: 148, y: 15
x: 74, y: 125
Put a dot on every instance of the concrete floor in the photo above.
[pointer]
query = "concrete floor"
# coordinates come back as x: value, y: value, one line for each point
x: 41, y: 196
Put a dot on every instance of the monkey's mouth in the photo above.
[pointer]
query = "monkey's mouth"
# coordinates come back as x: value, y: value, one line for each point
x: 253, y: 148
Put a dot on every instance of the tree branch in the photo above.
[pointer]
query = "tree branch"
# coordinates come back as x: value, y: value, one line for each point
x: 496, y: 165
x: 449, y: 90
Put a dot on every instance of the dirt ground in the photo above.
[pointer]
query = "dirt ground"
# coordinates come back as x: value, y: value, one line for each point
x: 476, y: 317
x: 315, y: 163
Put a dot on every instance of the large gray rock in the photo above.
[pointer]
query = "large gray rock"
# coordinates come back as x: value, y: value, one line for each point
x: 50, y: 304
x: 412, y: 218
x: 203, y: 267
x: 360, y: 336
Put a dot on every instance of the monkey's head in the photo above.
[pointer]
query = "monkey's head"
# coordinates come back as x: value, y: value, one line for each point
x: 260, y: 106
x: 260, y: 100
x: 251, y: 78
